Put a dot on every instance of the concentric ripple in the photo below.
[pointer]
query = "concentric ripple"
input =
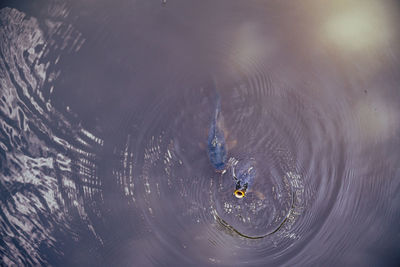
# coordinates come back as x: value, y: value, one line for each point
x: 40, y: 162
x: 177, y: 185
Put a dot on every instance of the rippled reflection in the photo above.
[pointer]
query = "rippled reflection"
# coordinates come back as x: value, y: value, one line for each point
x: 105, y: 110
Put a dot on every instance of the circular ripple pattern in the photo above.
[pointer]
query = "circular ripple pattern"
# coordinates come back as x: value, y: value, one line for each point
x: 178, y: 181
x: 104, y: 122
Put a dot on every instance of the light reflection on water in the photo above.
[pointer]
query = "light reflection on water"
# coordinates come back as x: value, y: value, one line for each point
x: 105, y: 113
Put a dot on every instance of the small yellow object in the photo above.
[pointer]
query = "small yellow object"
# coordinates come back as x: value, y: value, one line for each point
x: 239, y: 193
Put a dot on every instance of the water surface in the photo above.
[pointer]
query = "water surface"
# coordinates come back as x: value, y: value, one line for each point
x: 105, y: 109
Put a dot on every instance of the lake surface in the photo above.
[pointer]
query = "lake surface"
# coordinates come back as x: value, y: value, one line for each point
x: 105, y: 108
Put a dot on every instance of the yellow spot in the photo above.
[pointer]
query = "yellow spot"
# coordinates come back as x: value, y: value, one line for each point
x: 239, y: 193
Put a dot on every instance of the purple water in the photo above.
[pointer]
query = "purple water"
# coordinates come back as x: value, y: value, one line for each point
x: 105, y: 111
